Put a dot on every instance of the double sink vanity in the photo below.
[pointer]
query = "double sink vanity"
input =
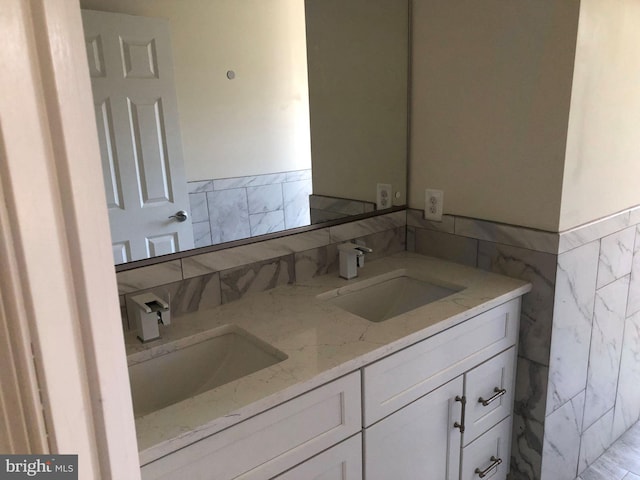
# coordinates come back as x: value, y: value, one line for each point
x: 406, y: 372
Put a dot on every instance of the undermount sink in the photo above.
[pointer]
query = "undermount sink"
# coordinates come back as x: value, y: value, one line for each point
x: 231, y: 353
x: 387, y: 296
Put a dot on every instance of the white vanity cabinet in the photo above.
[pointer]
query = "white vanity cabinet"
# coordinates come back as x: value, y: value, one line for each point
x: 272, y: 442
x: 439, y: 409
x: 444, y: 402
x: 341, y: 462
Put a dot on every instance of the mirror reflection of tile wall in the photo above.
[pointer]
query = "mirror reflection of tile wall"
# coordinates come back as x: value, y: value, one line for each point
x: 223, y: 210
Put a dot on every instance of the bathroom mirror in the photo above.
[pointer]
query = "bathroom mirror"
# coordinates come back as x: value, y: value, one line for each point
x: 229, y: 119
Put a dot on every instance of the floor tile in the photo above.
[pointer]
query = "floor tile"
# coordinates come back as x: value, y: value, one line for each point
x: 604, y: 469
x: 620, y: 462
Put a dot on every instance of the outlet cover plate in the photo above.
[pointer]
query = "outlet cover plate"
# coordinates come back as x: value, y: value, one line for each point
x: 383, y: 196
x: 433, y: 203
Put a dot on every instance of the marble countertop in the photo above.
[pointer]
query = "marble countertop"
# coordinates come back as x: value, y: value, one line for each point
x: 321, y: 340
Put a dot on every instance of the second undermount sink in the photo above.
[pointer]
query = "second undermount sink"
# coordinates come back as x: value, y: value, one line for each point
x: 387, y: 296
x: 227, y: 355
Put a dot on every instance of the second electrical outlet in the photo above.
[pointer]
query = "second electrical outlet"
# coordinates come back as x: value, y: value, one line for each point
x: 433, y: 201
x: 383, y: 196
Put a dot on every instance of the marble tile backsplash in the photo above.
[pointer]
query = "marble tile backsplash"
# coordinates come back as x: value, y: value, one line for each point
x: 208, y: 280
x: 536, y: 316
x: 323, y: 208
x: 447, y: 246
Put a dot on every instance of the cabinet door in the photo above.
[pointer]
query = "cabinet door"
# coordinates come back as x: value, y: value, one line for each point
x: 489, y: 454
x: 489, y: 390
x: 418, y: 441
x: 342, y: 462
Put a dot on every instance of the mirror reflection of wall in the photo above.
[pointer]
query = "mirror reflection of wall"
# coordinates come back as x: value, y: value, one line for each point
x: 242, y: 88
x: 358, y: 76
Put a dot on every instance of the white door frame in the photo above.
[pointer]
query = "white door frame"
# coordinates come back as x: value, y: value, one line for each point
x: 59, y: 296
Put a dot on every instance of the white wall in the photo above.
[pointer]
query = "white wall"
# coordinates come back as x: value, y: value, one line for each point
x: 257, y: 123
x: 602, y: 170
x: 358, y: 68
x: 490, y: 106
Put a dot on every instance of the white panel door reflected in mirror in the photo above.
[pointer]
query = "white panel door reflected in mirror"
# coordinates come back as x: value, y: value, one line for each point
x: 138, y: 129
x: 315, y: 83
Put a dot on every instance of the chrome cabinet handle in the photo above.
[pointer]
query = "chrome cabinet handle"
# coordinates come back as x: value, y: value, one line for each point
x: 180, y: 216
x: 463, y: 401
x: 495, y: 462
x: 499, y: 392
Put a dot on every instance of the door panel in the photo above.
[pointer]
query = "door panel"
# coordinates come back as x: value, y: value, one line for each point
x: 138, y: 127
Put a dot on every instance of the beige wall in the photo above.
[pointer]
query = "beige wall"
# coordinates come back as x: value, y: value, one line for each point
x: 490, y: 105
x: 257, y: 123
x: 358, y: 63
x: 602, y: 170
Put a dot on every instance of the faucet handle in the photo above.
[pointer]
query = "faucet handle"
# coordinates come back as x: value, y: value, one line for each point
x: 363, y: 246
x: 363, y: 249
x: 149, y: 302
x: 357, y: 247
x: 348, y: 247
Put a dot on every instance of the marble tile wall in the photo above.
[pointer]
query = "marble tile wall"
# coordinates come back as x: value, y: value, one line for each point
x: 627, y: 406
x: 223, y: 210
x: 606, y: 349
x: 572, y: 320
x: 210, y: 279
x: 578, y: 376
x: 561, y: 449
x: 536, y: 317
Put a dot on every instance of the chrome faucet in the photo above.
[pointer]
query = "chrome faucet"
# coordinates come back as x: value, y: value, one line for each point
x: 149, y: 311
x: 351, y: 258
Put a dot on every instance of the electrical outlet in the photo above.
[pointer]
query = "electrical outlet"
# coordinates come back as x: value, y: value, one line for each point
x: 383, y: 196
x: 433, y: 202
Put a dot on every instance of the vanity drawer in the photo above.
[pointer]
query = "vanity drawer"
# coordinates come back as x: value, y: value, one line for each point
x: 270, y: 442
x: 489, y: 391
x: 342, y: 462
x: 403, y: 377
x: 492, y: 448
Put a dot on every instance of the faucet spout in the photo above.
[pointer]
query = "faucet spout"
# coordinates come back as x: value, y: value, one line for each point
x: 149, y: 311
x: 351, y: 258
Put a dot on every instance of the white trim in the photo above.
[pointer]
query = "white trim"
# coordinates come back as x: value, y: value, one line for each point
x: 22, y: 426
x: 58, y: 223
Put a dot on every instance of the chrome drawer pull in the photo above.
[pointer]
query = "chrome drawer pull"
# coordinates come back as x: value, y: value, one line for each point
x: 483, y: 473
x: 499, y: 392
x: 463, y: 401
